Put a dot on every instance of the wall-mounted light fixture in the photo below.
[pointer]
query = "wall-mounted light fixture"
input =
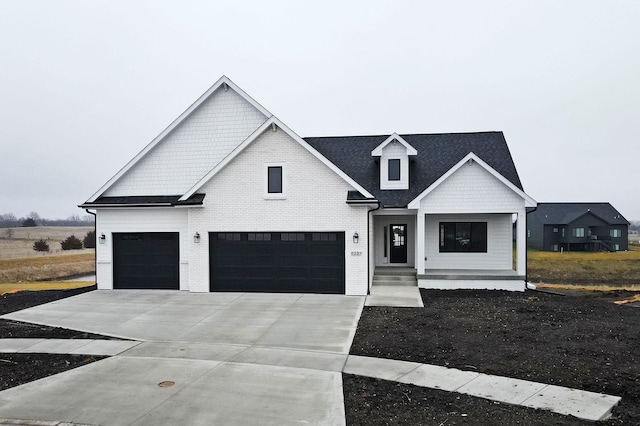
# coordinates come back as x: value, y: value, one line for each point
x: 103, y: 238
x: 196, y: 237
x: 356, y: 237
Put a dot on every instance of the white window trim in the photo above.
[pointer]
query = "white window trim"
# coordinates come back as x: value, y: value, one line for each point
x: 265, y: 173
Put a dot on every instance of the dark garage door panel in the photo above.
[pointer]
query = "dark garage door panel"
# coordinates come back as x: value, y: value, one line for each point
x: 277, y: 262
x: 146, y: 260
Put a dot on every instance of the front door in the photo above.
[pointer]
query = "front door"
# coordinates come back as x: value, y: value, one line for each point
x: 398, y: 239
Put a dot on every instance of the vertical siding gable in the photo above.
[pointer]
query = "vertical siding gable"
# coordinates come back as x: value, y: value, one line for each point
x: 471, y: 189
x: 200, y: 142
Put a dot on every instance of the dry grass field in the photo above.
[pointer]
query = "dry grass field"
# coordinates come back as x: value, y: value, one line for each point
x: 20, y: 263
x: 46, y: 268
x: 601, y: 268
x: 18, y: 242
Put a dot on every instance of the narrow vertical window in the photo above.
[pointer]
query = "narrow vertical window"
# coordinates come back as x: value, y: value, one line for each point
x: 394, y: 169
x: 274, y: 176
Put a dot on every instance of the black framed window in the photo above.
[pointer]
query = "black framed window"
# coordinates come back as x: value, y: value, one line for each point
x: 394, y: 169
x: 274, y: 176
x: 463, y: 237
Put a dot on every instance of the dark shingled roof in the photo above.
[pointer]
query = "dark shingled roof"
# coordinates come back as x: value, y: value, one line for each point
x: 437, y: 153
x: 565, y: 213
x: 146, y: 201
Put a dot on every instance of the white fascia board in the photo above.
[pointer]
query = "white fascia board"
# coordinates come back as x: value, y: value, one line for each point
x: 224, y: 80
x: 377, y: 152
x: 265, y: 126
x: 529, y: 202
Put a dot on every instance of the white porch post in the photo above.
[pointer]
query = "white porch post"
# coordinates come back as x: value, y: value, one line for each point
x: 420, y: 241
x: 521, y: 242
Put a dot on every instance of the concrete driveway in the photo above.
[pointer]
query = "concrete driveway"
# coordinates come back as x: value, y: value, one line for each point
x: 234, y: 358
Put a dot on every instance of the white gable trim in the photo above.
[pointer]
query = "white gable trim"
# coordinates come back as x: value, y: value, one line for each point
x: 224, y: 82
x: 529, y: 202
x: 377, y: 152
x: 267, y: 126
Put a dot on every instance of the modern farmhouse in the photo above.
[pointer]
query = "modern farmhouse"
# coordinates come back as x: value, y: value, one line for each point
x: 228, y: 198
x: 577, y: 227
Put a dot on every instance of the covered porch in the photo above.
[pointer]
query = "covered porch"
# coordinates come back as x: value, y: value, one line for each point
x: 471, y: 251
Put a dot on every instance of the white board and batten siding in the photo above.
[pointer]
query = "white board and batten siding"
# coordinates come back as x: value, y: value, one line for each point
x: 314, y: 200
x: 111, y: 221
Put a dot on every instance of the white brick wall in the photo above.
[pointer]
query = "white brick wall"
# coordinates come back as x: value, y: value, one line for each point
x: 179, y: 161
x: 499, y: 244
x: 315, y: 201
x: 471, y: 189
x: 109, y: 221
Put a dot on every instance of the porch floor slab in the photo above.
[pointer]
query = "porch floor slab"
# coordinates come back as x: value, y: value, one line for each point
x: 470, y: 274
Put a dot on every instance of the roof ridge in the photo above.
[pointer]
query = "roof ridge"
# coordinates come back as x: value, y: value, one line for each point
x: 404, y: 134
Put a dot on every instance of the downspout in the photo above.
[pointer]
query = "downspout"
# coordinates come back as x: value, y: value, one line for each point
x: 95, y: 234
x: 526, y: 235
x: 370, y: 248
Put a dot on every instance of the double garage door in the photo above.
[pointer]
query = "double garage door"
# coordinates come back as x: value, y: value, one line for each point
x: 296, y: 262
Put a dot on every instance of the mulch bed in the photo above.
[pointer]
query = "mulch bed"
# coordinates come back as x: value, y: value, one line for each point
x: 580, y: 341
x: 16, y: 369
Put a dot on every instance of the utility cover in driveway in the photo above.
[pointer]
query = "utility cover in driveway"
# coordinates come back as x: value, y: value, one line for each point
x: 295, y: 262
x: 146, y: 260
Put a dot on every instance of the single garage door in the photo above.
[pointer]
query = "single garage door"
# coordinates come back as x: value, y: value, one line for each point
x: 293, y: 262
x: 146, y: 260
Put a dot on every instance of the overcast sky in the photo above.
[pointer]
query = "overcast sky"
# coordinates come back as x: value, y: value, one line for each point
x: 85, y: 85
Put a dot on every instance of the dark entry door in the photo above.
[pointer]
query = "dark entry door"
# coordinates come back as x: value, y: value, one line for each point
x: 398, y: 240
x: 295, y: 262
x: 146, y: 260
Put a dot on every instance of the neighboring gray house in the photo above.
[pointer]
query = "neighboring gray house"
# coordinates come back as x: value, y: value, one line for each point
x: 228, y: 198
x: 577, y: 227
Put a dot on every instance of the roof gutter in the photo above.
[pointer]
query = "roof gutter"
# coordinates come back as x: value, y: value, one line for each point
x: 526, y: 258
x: 95, y: 235
x: 370, y: 244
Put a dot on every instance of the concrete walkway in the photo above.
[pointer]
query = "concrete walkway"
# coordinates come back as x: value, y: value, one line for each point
x: 212, y: 357
x: 584, y: 405
x: 395, y: 296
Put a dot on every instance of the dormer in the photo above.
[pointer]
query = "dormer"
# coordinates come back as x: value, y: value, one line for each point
x: 394, y: 155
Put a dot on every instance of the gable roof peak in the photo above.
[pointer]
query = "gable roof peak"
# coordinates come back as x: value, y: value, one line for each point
x: 224, y: 82
x: 377, y: 152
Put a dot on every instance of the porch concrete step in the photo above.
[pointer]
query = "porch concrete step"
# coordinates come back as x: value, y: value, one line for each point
x: 394, y: 277
x: 382, y: 270
x: 400, y: 283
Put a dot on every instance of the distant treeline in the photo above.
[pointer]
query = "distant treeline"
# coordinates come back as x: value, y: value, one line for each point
x: 9, y: 220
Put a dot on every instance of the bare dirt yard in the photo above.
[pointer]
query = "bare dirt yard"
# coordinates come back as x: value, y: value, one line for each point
x: 581, y: 340
x: 18, y: 242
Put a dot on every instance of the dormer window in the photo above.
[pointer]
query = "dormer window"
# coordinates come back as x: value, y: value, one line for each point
x: 394, y: 155
x: 394, y: 169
